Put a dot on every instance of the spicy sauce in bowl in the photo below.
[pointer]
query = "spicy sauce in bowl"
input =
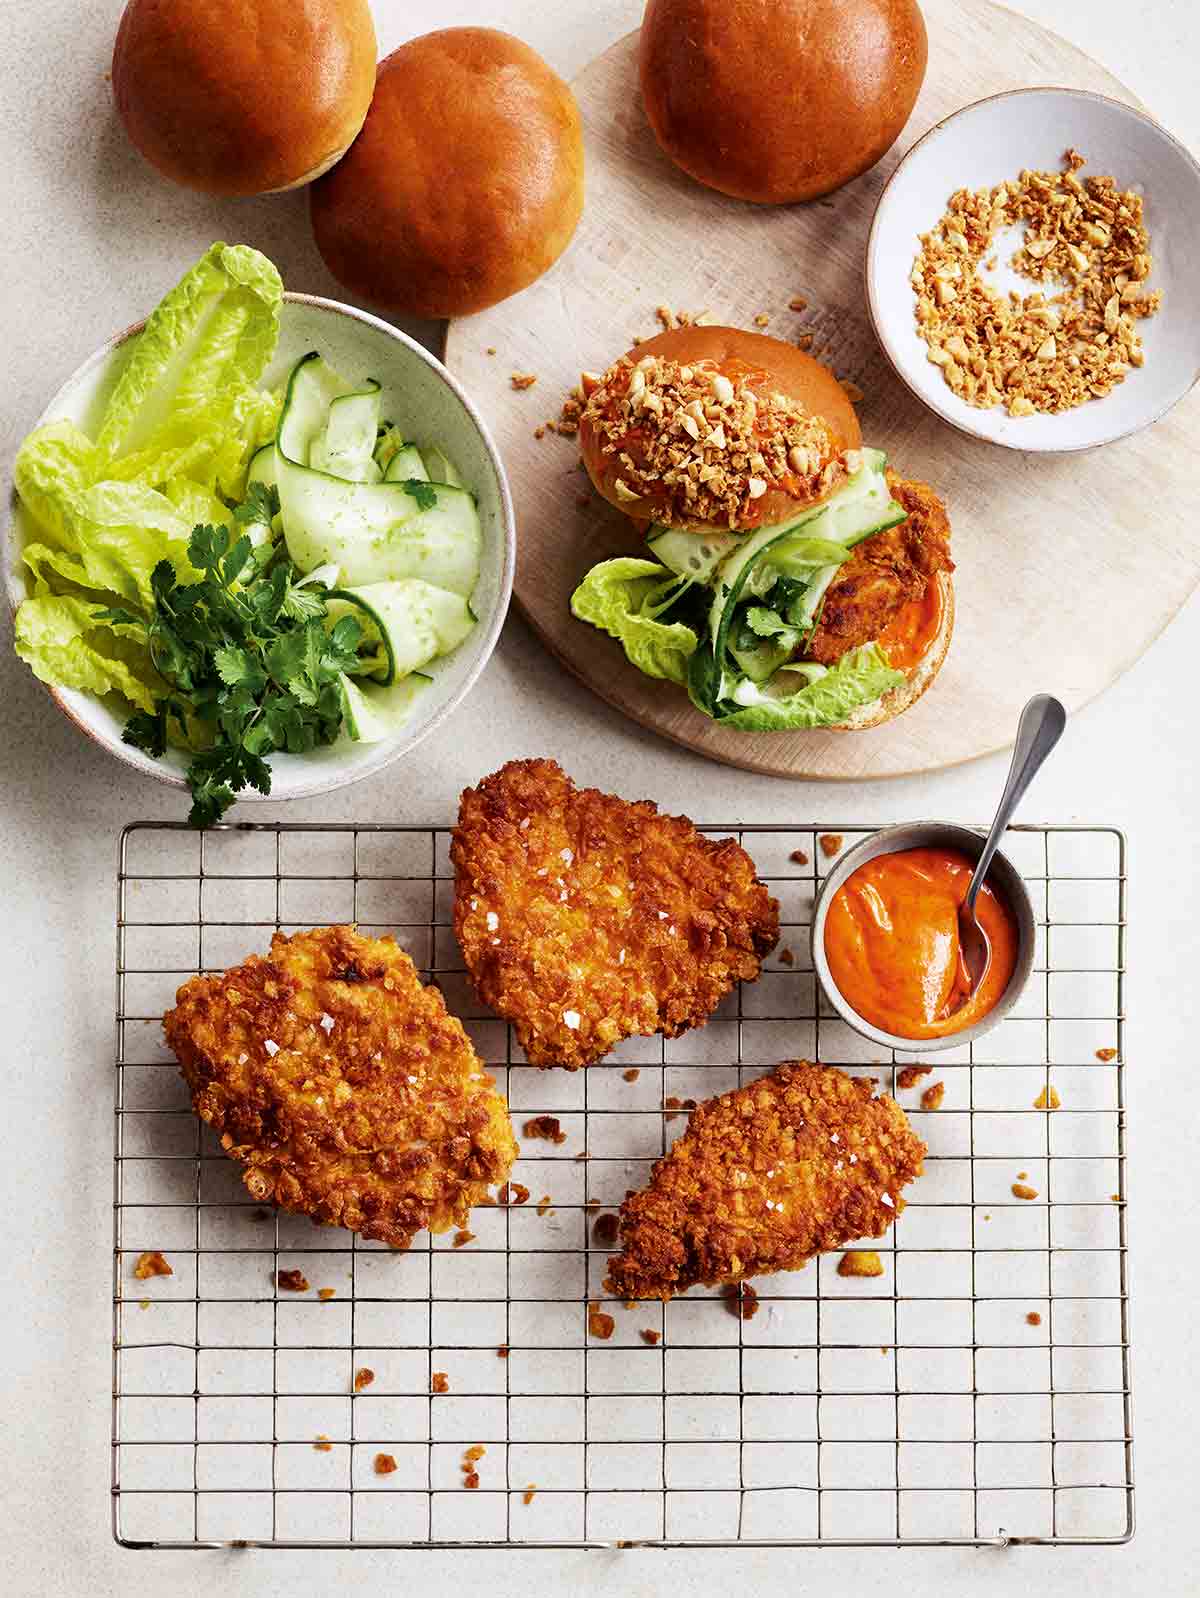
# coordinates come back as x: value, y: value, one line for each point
x: 891, y: 943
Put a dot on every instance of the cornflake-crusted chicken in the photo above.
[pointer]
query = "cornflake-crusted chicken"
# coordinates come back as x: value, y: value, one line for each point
x: 765, y: 1177
x: 584, y: 918
x: 343, y: 1086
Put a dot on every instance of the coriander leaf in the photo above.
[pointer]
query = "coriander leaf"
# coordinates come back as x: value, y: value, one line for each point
x: 206, y: 546
x: 764, y: 623
x: 120, y: 616
x: 233, y: 664
x: 147, y: 732
x: 285, y: 656
x: 236, y: 561
x: 425, y: 494
x: 302, y: 603
x: 162, y: 581
x: 260, y: 504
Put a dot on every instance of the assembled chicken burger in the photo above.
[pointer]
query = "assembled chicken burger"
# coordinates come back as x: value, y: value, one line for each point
x: 788, y: 577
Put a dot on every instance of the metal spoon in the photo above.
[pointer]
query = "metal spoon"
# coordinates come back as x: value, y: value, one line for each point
x: 1040, y: 728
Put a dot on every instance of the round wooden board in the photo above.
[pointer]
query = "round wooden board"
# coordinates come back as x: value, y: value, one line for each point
x: 1066, y: 574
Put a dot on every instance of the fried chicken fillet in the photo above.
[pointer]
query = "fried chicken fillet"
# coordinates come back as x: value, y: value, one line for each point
x: 343, y: 1086
x: 765, y: 1177
x: 883, y: 573
x: 584, y: 919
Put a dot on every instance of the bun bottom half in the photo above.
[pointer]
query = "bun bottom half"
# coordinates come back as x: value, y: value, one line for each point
x: 901, y: 698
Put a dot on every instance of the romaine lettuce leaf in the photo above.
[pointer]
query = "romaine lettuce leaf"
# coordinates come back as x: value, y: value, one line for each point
x: 860, y: 677
x: 54, y: 465
x: 614, y: 595
x: 59, y: 638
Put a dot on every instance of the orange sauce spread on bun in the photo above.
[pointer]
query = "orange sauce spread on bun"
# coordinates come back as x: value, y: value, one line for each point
x: 913, y: 628
x: 891, y: 938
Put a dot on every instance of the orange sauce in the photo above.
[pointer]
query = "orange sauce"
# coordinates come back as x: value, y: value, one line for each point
x: 913, y: 628
x: 891, y: 938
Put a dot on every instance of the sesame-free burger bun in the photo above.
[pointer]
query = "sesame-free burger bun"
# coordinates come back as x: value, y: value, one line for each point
x: 466, y: 182
x: 240, y: 97
x: 769, y: 366
x: 780, y: 100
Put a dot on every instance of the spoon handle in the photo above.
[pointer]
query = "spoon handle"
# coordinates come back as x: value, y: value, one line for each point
x: 1040, y: 728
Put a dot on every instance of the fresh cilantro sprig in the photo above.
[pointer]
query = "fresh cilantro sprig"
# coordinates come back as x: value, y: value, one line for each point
x: 248, y: 660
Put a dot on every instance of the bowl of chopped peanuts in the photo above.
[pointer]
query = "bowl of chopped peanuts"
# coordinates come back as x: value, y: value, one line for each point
x: 1031, y: 270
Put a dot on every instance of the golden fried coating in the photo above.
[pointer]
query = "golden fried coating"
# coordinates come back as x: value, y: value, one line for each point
x: 343, y: 1085
x: 765, y: 1177
x: 584, y: 919
x: 883, y: 573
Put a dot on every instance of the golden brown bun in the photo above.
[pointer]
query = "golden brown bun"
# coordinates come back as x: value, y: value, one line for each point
x: 466, y: 182
x: 243, y: 96
x: 897, y: 700
x: 810, y: 385
x: 780, y: 100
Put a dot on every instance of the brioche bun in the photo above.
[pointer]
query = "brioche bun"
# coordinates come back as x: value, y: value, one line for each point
x: 240, y: 97
x: 466, y: 182
x: 901, y: 698
x: 780, y: 100
x: 775, y: 366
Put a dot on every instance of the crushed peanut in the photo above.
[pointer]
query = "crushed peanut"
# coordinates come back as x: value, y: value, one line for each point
x: 1037, y: 354
x: 521, y: 380
x: 1022, y: 1190
x: 860, y: 1262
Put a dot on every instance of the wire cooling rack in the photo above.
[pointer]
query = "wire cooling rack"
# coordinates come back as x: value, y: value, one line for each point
x: 978, y: 1392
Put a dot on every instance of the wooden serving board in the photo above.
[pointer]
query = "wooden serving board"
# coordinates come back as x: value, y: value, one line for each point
x: 1065, y: 573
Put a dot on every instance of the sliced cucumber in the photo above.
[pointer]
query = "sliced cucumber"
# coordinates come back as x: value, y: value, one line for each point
x: 813, y: 595
x: 405, y: 624
x: 262, y: 467
x: 389, y: 440
x: 343, y: 448
x: 694, y: 555
x: 439, y: 468
x: 375, y: 532
x: 406, y: 466
x: 372, y: 714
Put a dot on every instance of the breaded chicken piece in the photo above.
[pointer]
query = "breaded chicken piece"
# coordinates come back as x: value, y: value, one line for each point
x: 584, y: 919
x: 343, y: 1085
x: 765, y: 1177
x: 883, y: 573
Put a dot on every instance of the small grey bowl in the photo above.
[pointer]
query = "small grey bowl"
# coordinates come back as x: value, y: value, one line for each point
x: 1003, y: 877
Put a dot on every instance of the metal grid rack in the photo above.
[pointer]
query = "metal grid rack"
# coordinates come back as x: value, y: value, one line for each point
x: 977, y: 1393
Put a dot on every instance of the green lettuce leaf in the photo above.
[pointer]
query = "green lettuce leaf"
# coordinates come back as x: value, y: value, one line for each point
x: 191, y: 379
x: 860, y: 677
x: 613, y: 597
x: 55, y: 464
x: 60, y: 639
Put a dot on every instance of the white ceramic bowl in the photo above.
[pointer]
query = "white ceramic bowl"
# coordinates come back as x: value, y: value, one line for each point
x: 428, y: 404
x: 990, y: 142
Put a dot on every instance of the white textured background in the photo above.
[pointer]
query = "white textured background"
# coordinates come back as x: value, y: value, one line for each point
x: 92, y: 238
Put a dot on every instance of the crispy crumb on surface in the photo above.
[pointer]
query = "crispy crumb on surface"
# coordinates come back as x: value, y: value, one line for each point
x: 546, y: 1127
x: 385, y: 1464
x: 439, y: 1382
x: 762, y: 319
x: 650, y: 1336
x: 491, y: 349
x: 326, y: 1293
x: 741, y: 1300
x: 798, y: 857
x: 523, y: 380
x: 513, y: 1193
x: 1048, y: 1099
x: 543, y: 1205
x: 632, y: 1074
x: 143, y: 1303
x: 152, y: 1263
x: 461, y: 1239
x: 1045, y: 351
x: 604, y: 1229
x: 860, y: 1262
x: 797, y: 303
x: 1033, y: 1318
x: 1022, y: 1190
x: 786, y: 957
x: 502, y: 1351
x: 363, y: 1377
x: 676, y: 1106
x: 909, y: 1075
x: 1106, y: 1055
x: 292, y: 1281
x: 530, y: 1492
x: 322, y: 1444
x: 933, y: 1095
x: 600, y: 1322
x: 1115, y: 1197
x: 830, y: 843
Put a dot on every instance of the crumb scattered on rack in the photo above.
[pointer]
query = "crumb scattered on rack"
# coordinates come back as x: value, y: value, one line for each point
x: 1106, y: 1055
x: 439, y: 1382
x: 629, y: 1303
x: 527, y: 1496
x: 144, y: 1303
x: 582, y: 1155
x: 786, y: 957
x: 385, y: 1464
x: 1116, y: 1197
x: 469, y: 1461
x: 762, y: 320
x: 604, y: 1229
x: 650, y: 1336
x: 491, y: 349
x: 860, y: 1262
x: 600, y: 1323
x: 513, y: 1193
x: 522, y: 380
x: 675, y: 1106
x: 798, y: 857
x: 1048, y: 1099
x: 830, y: 843
x: 632, y: 1074
x: 539, y: 432
x: 326, y: 1293
x: 363, y: 1377
x: 462, y: 1238
x: 909, y: 1075
x: 933, y: 1095
x: 151, y: 1263
x: 502, y: 1351
x: 292, y: 1281
x: 1022, y: 1190
x: 546, y: 1127
x: 543, y: 1205
x: 742, y: 1301
x: 591, y: 1204
x: 322, y: 1444
x: 1033, y: 1318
